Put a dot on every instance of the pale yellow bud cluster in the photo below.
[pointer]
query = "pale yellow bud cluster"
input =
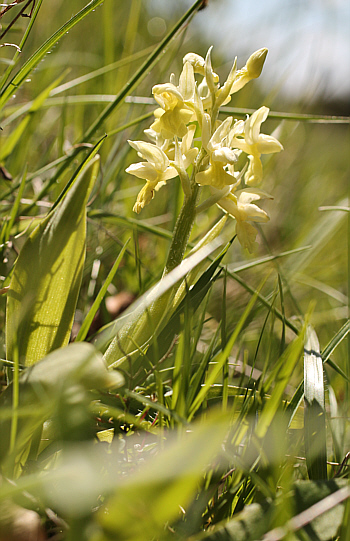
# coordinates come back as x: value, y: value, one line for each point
x: 189, y: 141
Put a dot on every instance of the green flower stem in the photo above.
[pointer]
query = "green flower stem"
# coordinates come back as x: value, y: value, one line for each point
x: 138, y: 332
x: 182, y: 231
x: 185, y: 220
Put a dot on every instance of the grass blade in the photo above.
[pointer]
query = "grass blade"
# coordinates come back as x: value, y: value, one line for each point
x: 34, y: 60
x: 84, y: 329
x: 280, y: 375
x: 314, y: 417
x: 14, y: 137
x: 221, y: 358
x: 21, y: 45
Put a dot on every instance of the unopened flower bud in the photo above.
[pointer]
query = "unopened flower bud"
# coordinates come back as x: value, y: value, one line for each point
x: 255, y: 63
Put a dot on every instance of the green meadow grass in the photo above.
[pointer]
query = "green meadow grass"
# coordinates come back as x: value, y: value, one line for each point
x: 230, y: 422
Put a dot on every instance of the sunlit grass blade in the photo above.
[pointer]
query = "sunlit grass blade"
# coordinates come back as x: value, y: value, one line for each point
x: 131, y: 223
x: 334, y: 343
x: 11, y: 141
x: 266, y: 259
x: 299, y: 117
x: 46, y: 279
x: 328, y: 350
x: 315, y: 415
x: 84, y: 329
x: 16, y: 56
x: 34, y: 60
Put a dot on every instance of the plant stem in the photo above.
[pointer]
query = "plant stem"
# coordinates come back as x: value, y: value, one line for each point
x: 182, y: 231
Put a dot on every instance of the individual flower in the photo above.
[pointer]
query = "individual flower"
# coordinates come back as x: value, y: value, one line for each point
x: 251, y: 70
x: 240, y: 205
x: 247, y: 137
x: 155, y: 170
x: 220, y: 156
x: 174, y: 114
x: 188, y: 152
x: 183, y: 155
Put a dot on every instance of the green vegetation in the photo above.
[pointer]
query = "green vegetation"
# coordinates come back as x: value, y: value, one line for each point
x: 142, y: 399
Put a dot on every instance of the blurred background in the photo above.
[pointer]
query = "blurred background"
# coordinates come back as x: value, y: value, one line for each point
x: 307, y: 71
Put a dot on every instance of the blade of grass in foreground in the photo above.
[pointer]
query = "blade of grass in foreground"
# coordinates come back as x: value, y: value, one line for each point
x: 315, y: 415
x: 331, y: 346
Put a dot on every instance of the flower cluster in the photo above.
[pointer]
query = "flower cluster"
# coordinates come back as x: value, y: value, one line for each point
x: 189, y: 141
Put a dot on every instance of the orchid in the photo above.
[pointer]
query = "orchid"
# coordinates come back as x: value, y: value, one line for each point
x: 189, y: 140
x: 220, y: 156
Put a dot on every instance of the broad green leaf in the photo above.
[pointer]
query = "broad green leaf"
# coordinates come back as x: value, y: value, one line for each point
x: 320, y: 507
x: 46, y: 279
x: 248, y: 525
x: 315, y: 415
